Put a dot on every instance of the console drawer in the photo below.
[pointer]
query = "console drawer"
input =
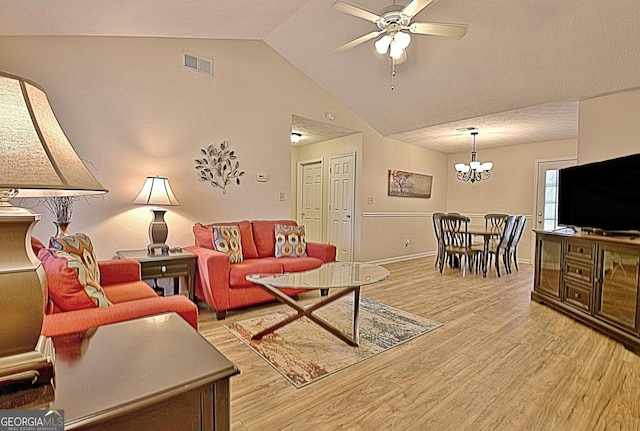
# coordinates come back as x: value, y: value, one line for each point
x: 580, y: 250
x: 578, y: 296
x: 578, y: 271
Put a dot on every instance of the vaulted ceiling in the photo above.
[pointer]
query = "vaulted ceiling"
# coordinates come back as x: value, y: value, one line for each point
x: 517, y: 74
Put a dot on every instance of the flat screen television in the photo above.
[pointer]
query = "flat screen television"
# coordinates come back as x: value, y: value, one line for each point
x: 602, y: 196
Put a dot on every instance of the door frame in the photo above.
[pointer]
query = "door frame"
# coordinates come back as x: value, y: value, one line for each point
x: 299, y: 191
x: 536, y: 190
x: 352, y: 203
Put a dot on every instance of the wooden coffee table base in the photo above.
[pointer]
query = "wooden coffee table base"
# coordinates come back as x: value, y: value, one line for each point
x: 307, y: 311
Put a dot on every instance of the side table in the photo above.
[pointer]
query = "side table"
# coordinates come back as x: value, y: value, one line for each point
x: 174, y: 264
x: 155, y: 373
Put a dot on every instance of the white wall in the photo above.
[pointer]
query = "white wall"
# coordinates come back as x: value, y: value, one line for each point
x: 389, y: 220
x: 608, y: 126
x: 131, y: 110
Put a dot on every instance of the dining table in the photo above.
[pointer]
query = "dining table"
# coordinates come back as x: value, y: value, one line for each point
x: 487, y: 233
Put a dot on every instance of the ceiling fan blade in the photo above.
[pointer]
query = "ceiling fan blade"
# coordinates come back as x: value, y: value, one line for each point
x: 455, y: 31
x: 358, y: 41
x: 415, y: 6
x: 356, y: 11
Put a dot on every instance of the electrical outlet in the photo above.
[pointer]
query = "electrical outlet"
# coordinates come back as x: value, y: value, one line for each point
x: 370, y: 200
x: 407, y: 242
x: 281, y: 196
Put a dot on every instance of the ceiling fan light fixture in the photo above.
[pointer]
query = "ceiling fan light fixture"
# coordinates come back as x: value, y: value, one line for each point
x: 295, y: 137
x: 402, y: 39
x: 395, y: 50
x: 382, y: 44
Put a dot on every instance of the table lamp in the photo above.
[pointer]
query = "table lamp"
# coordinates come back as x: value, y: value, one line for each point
x: 157, y: 191
x: 36, y: 160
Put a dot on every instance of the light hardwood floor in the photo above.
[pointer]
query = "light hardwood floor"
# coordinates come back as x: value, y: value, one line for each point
x: 500, y: 362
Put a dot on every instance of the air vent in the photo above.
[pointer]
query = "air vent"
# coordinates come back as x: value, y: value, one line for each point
x: 198, y: 64
x: 467, y: 129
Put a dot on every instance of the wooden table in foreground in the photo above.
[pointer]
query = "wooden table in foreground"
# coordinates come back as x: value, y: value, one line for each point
x: 155, y: 373
x: 346, y: 277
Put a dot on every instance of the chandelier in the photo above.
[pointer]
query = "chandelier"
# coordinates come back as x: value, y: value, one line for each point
x: 474, y: 171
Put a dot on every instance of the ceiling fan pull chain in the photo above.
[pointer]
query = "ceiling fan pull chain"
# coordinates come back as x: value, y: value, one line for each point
x: 393, y: 72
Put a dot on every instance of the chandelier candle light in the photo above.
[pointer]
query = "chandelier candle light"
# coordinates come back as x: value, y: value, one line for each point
x: 474, y: 171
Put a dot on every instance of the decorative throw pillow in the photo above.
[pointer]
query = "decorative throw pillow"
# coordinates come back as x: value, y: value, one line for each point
x: 290, y: 241
x: 227, y: 240
x: 80, y: 245
x: 70, y: 285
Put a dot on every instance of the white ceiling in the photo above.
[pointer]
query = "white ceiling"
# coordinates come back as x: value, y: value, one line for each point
x: 517, y: 75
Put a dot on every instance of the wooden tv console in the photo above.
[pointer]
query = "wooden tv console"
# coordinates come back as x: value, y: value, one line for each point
x: 592, y: 278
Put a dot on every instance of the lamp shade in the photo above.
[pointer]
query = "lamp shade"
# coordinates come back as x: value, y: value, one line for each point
x: 37, y: 158
x: 156, y: 191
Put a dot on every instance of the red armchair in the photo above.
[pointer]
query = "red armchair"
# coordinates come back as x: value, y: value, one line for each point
x: 130, y: 297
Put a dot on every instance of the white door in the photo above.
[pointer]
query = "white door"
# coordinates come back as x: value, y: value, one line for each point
x: 547, y: 193
x: 341, y: 205
x: 310, y: 208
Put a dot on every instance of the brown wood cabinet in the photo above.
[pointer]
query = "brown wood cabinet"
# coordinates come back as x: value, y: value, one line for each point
x: 155, y: 373
x: 594, y: 279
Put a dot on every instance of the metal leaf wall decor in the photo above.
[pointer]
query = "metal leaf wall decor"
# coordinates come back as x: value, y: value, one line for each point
x: 219, y: 166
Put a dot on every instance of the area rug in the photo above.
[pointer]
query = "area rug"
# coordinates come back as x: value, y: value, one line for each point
x: 303, y: 352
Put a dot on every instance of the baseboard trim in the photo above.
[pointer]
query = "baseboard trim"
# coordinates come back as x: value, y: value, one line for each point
x: 402, y: 258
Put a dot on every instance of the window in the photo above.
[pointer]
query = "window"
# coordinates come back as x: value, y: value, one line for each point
x: 550, y: 211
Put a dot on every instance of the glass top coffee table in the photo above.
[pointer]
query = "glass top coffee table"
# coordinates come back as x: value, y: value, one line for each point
x: 346, y: 277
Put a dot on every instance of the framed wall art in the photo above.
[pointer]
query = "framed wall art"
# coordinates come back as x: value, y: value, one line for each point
x: 409, y: 184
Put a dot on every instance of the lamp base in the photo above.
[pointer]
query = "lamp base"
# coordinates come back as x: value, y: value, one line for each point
x: 158, y: 232
x: 157, y: 249
x: 35, y: 366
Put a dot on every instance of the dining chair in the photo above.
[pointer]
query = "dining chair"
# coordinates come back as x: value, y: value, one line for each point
x: 495, y: 221
x: 437, y: 228
x: 512, y: 247
x: 457, y: 242
x: 499, y: 248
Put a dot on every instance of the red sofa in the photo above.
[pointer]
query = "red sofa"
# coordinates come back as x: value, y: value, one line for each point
x: 131, y: 298
x: 222, y: 284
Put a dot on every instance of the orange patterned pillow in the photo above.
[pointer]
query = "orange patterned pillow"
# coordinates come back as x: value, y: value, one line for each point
x: 226, y: 239
x: 290, y: 241
x: 70, y: 284
x: 78, y: 251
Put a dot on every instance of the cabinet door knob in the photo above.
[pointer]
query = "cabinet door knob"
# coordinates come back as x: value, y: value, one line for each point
x: 163, y: 269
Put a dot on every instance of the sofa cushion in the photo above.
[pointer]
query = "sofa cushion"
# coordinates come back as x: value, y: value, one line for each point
x: 239, y: 271
x: 290, y: 241
x: 204, y: 237
x: 227, y: 240
x: 71, y: 285
x: 298, y: 264
x: 263, y: 235
x: 130, y: 291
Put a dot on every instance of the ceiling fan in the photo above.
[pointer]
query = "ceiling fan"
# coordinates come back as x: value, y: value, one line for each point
x: 395, y: 23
